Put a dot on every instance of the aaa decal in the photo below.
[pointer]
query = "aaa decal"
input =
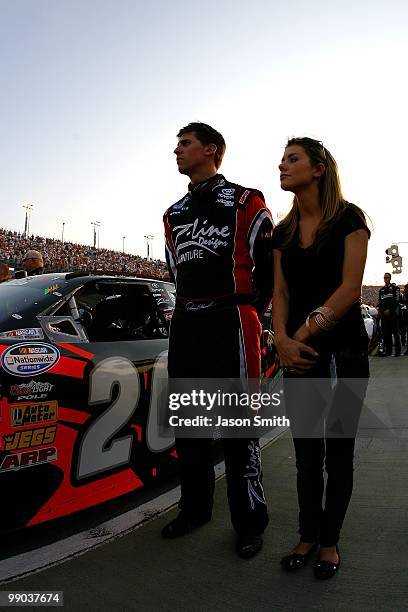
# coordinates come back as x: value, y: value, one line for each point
x: 29, y: 359
x: 33, y: 414
x: 17, y: 461
x: 29, y: 438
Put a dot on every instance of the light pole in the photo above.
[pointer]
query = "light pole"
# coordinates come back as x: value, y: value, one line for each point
x: 149, y: 238
x: 62, y: 235
x: 95, y: 224
x: 28, y: 208
x: 123, y: 244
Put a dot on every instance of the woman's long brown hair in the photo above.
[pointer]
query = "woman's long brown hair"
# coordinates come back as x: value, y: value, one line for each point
x: 332, y: 201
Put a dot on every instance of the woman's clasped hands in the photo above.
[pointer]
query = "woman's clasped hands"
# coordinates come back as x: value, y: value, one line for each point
x: 295, y: 356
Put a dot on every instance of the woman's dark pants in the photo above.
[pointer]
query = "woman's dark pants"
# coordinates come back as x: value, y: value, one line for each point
x: 324, y: 422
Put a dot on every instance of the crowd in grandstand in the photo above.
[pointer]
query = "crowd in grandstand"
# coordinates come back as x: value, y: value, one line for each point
x: 369, y: 294
x: 67, y: 256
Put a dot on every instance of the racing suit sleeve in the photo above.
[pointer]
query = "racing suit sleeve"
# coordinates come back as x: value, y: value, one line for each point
x: 170, y: 250
x: 260, y: 226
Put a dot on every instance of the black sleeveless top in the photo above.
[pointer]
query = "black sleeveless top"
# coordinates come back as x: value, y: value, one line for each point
x: 313, y: 275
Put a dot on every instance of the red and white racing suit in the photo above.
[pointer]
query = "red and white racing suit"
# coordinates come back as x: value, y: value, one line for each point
x: 219, y: 254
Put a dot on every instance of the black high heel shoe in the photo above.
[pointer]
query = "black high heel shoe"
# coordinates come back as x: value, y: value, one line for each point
x: 323, y: 570
x: 296, y: 561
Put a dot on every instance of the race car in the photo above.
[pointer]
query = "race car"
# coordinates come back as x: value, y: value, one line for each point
x: 83, y: 375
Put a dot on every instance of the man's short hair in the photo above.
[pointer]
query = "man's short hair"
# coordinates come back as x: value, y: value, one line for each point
x: 387, y: 274
x: 31, y: 254
x: 207, y: 135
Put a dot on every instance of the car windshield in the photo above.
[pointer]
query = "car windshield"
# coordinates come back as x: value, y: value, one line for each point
x: 19, y: 296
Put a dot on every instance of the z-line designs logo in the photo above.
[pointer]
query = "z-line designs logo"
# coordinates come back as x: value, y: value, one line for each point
x: 17, y: 461
x: 29, y: 359
x: 33, y: 414
x: 29, y: 438
x: 197, y: 234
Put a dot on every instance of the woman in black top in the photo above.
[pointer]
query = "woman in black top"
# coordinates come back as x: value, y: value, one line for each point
x: 320, y: 250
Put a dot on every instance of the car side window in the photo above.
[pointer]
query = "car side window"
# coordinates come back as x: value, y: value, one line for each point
x: 63, y: 311
x: 112, y: 311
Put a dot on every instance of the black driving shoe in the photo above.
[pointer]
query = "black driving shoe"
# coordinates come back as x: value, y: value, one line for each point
x: 249, y: 546
x: 323, y: 570
x: 182, y: 525
x: 296, y: 561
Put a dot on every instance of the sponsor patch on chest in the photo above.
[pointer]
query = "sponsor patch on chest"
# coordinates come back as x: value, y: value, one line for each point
x: 200, y: 238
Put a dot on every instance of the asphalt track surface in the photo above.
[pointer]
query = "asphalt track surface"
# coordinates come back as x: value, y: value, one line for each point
x: 138, y: 570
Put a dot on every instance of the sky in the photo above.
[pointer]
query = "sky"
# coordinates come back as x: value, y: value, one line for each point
x: 93, y: 93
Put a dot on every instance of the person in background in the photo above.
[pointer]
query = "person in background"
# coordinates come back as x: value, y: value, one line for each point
x: 404, y: 317
x: 33, y: 263
x: 389, y: 305
x: 4, y: 272
x: 320, y: 250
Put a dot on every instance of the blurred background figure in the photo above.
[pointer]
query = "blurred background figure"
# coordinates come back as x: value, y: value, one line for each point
x: 389, y: 305
x: 4, y: 272
x: 33, y: 263
x: 404, y: 317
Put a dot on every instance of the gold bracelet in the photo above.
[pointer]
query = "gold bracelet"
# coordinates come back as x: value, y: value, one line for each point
x: 325, y: 318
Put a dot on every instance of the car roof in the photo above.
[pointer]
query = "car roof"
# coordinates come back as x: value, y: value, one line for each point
x: 82, y: 277
x: 70, y: 275
x: 33, y: 294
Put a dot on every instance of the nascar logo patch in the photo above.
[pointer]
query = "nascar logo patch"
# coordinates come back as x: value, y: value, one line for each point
x: 29, y: 359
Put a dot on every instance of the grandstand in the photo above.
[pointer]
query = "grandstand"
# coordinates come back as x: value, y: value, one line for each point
x: 68, y: 256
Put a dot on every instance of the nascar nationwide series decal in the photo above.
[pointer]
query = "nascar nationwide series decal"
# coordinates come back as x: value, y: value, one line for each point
x: 33, y: 413
x: 29, y: 359
x: 29, y: 438
x: 17, y: 461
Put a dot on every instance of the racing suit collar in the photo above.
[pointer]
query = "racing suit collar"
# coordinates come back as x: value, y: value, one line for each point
x: 206, y: 185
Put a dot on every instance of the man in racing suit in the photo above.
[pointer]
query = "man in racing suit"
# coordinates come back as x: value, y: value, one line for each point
x: 389, y: 303
x: 219, y: 256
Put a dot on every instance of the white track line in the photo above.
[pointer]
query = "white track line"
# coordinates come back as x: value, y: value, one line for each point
x: 37, y: 560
